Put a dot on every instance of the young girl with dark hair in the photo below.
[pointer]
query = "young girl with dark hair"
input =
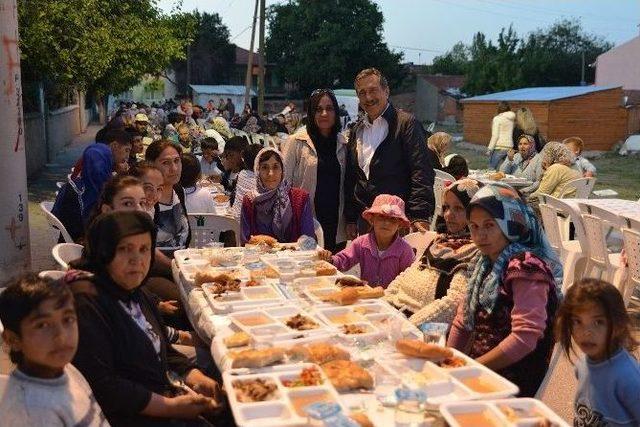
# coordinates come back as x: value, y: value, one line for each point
x: 593, y: 316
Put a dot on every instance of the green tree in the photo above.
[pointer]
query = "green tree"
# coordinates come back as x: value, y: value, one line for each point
x: 326, y: 43
x: 103, y: 46
x: 545, y: 57
x: 454, y: 62
x: 554, y: 57
x: 212, y: 56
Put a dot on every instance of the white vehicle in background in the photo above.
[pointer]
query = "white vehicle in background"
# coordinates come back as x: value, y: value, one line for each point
x: 349, y: 99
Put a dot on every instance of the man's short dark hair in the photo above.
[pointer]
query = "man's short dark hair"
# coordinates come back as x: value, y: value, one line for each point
x: 371, y: 72
x: 237, y: 143
x: 191, y: 171
x: 117, y: 135
x: 23, y: 295
x: 209, y: 144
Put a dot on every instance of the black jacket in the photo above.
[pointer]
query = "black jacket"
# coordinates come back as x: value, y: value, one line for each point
x: 117, y: 358
x: 400, y: 166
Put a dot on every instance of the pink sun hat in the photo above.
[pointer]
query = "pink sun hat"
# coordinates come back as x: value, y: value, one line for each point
x: 387, y: 205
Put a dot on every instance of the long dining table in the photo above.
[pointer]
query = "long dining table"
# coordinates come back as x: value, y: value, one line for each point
x: 292, y: 290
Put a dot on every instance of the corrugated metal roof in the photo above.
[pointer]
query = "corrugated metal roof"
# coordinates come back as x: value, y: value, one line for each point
x: 540, y: 94
x: 220, y: 90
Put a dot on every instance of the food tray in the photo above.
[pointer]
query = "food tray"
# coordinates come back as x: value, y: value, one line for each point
x: 472, y: 381
x: 335, y: 317
x: 269, y: 324
x: 533, y: 411
x: 219, y: 349
x: 285, y: 405
x: 247, y: 298
x: 295, y: 267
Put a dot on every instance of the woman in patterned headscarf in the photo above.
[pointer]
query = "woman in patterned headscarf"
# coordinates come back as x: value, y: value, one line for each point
x: 556, y: 162
x: 275, y: 208
x: 431, y: 288
x: 505, y: 321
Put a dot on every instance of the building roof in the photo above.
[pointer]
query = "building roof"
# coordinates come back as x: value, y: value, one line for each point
x: 540, y: 94
x: 444, y: 82
x: 220, y: 90
x: 242, y: 57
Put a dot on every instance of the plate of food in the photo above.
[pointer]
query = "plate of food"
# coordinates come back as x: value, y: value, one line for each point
x: 506, y: 412
x: 231, y: 294
x: 279, y: 322
x: 278, y: 398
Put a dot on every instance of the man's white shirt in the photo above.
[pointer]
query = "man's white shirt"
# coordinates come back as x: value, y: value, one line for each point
x: 368, y: 138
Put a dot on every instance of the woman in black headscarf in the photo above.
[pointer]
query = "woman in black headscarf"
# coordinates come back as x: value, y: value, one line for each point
x: 123, y: 350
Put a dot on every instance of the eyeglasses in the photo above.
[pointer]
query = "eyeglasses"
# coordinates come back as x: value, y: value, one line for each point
x: 319, y: 91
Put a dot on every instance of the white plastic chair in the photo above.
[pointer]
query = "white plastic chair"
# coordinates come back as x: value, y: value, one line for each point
x: 419, y: 241
x: 583, y: 187
x: 206, y: 228
x: 54, y: 222
x: 569, y: 251
x: 600, y: 263
x: 52, y: 274
x: 64, y: 253
x: 444, y: 175
x: 631, y: 240
x: 438, y: 189
x: 317, y: 228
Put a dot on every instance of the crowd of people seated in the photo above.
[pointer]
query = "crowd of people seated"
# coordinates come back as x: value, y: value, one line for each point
x: 110, y: 344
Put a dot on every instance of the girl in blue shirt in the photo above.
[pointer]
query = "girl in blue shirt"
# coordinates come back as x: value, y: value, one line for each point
x: 594, y: 316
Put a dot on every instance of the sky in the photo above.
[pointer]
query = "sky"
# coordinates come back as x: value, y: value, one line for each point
x: 423, y: 29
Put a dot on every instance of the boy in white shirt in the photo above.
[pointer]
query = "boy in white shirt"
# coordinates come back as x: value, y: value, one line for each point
x: 210, y: 163
x: 40, y: 328
x: 582, y: 165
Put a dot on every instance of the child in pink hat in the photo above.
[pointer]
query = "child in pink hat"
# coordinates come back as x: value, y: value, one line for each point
x: 381, y: 253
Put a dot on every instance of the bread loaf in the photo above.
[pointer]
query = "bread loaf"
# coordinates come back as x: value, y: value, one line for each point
x: 417, y: 348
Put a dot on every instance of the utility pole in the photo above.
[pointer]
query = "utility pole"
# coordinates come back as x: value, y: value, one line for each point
x: 261, y: 60
x: 15, y: 252
x: 188, y: 89
x: 248, y: 82
x: 582, y: 82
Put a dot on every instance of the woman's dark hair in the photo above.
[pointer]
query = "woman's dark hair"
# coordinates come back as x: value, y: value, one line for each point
x: 503, y: 106
x: 270, y: 154
x: 236, y: 143
x: 458, y: 167
x: 104, y: 234
x: 249, y: 155
x: 155, y: 149
x: 23, y: 295
x: 111, y: 188
x: 604, y: 294
x: 312, y: 106
x: 141, y: 168
x: 191, y: 171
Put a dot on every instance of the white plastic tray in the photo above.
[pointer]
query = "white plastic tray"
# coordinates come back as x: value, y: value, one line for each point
x: 450, y: 384
x: 219, y: 350
x: 493, y: 408
x: 245, y: 299
x: 273, y: 323
x: 279, y: 411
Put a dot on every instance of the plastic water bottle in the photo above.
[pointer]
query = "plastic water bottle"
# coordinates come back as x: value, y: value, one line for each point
x: 410, y: 409
x: 322, y: 414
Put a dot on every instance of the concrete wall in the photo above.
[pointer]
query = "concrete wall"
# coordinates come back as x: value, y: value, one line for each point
x: 62, y: 126
x: 620, y: 65
x: 426, y: 106
x: 35, y: 143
